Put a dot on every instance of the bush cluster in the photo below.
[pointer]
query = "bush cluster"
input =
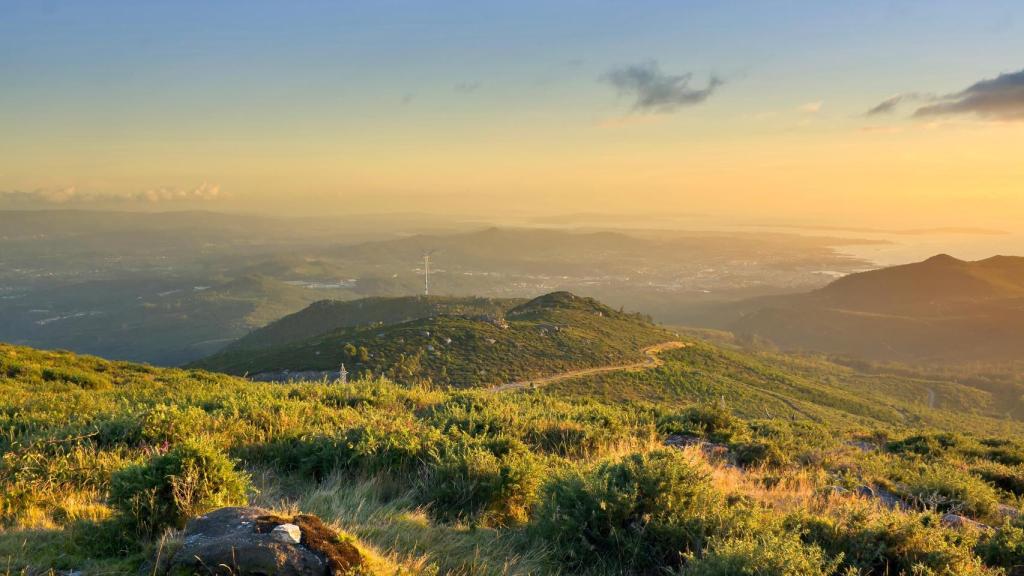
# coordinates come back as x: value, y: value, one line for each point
x: 169, y: 489
x: 643, y: 512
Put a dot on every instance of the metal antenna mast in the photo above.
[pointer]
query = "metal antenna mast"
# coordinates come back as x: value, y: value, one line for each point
x: 426, y: 273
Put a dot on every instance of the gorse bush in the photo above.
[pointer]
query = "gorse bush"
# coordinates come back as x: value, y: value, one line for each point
x: 171, y: 488
x: 70, y: 375
x: 1004, y: 548
x: 869, y: 541
x: 376, y: 444
x: 641, y: 513
x: 1009, y: 479
x: 765, y: 555
x: 491, y: 483
x: 713, y: 421
x: 932, y: 445
x: 948, y: 489
x: 164, y: 423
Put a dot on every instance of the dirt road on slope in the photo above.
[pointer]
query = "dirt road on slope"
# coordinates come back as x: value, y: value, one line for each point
x: 652, y: 361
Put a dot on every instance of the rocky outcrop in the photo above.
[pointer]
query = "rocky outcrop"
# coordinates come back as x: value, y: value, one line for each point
x: 254, y: 542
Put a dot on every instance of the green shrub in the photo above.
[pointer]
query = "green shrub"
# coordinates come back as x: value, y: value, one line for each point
x: 172, y: 423
x: 472, y: 413
x: 481, y: 483
x: 890, y: 542
x: 641, y: 513
x: 759, y: 452
x: 16, y: 501
x: 1004, y: 548
x: 81, y: 378
x: 399, y: 446
x: 109, y: 538
x: 930, y: 445
x: 1007, y: 455
x: 570, y: 438
x: 1006, y: 478
x: 118, y: 429
x: 396, y: 446
x: 768, y: 555
x: 712, y: 421
x: 171, y: 488
x: 944, y: 488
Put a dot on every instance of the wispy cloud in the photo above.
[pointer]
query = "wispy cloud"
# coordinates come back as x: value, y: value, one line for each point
x: 204, y: 192
x: 655, y: 91
x: 811, y: 107
x: 1000, y: 98
x: 44, y: 195
x: 888, y: 105
x: 467, y: 87
x: 630, y: 120
x: 72, y: 195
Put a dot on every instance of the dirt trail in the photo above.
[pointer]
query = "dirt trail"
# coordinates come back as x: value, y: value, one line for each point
x: 652, y: 361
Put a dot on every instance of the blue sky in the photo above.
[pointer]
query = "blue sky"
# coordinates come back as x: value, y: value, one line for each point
x: 119, y: 97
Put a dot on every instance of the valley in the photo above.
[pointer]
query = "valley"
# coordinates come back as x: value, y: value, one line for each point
x: 171, y: 288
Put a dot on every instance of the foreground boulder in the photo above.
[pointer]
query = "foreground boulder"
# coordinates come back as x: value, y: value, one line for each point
x: 248, y: 541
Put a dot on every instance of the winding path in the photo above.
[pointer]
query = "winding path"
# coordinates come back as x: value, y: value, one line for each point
x: 652, y: 361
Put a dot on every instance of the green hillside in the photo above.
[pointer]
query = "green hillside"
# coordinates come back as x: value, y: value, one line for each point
x: 327, y: 315
x: 547, y: 335
x: 719, y: 461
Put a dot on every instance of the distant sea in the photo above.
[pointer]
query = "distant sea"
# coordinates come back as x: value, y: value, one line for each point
x: 895, y: 247
x: 907, y: 248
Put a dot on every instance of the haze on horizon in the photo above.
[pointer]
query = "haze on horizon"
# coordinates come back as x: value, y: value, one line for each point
x: 889, y: 114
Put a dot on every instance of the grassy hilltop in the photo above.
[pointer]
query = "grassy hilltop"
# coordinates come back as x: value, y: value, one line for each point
x: 467, y: 343
x: 718, y: 462
x: 329, y: 315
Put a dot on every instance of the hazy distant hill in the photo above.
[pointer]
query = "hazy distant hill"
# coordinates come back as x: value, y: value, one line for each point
x: 173, y: 287
x: 942, y: 309
x: 470, y: 342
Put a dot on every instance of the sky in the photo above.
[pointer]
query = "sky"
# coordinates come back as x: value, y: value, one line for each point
x: 869, y: 113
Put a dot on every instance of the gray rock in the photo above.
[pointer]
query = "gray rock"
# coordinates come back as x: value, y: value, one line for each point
x: 227, y: 542
x: 835, y: 491
x: 710, y: 449
x: 957, y: 521
x: 287, y: 533
x: 886, y: 498
x: 1009, y: 512
x: 862, y: 445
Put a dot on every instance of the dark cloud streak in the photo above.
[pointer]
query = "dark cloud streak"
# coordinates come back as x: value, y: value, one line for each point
x: 999, y: 98
x: 655, y: 91
x: 887, y: 106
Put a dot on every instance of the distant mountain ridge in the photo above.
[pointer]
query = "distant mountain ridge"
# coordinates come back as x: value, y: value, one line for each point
x: 941, y: 309
x: 936, y: 282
